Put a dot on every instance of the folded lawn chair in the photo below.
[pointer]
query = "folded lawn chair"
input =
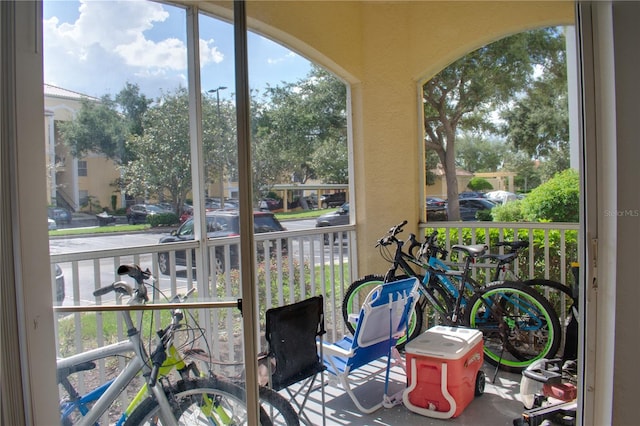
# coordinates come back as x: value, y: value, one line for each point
x: 383, y: 319
x: 292, y: 332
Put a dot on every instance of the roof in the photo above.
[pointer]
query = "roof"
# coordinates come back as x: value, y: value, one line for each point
x: 50, y: 90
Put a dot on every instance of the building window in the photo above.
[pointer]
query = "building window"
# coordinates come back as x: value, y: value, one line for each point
x: 82, y: 168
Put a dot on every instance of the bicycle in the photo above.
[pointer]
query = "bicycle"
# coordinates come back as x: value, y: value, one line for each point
x: 193, y: 398
x: 503, y: 271
x: 519, y: 325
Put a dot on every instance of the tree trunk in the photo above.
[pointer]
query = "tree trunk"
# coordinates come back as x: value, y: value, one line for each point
x: 453, y: 206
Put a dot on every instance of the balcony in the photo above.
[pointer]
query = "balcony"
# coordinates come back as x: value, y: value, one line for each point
x: 309, y: 268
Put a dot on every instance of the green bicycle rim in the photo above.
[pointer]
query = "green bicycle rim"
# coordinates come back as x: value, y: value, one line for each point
x: 496, y: 357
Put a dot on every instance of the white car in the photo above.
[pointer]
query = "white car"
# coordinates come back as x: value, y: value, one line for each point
x: 52, y: 224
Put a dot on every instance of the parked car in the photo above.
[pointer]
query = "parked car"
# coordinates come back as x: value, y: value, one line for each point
x: 167, y: 207
x: 501, y: 197
x: 471, y: 194
x: 220, y: 223
x: 60, y: 215
x: 60, y: 291
x: 469, y: 207
x: 333, y: 200
x: 436, y: 209
x: 138, y: 213
x: 270, y: 204
x: 338, y: 217
x: 52, y: 224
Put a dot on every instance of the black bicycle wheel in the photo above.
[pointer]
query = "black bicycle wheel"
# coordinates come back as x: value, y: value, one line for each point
x: 209, y: 401
x: 518, y: 324
x: 357, y: 294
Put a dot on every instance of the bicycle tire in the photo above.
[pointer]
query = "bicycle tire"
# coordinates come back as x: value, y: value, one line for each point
x: 527, y: 329
x: 357, y: 293
x: 186, y: 395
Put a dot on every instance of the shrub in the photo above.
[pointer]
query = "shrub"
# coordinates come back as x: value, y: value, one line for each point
x: 538, y: 238
x: 484, y: 215
x: 479, y: 184
x: 162, y: 219
x: 509, y: 212
x: 556, y: 200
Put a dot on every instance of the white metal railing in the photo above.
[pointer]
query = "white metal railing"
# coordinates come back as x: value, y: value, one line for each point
x: 553, y: 247
x: 308, y: 267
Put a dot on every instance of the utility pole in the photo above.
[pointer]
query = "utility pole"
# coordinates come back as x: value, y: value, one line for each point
x: 217, y: 92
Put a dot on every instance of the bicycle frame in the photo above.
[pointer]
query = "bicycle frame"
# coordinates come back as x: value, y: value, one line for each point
x: 117, y: 386
x: 106, y: 394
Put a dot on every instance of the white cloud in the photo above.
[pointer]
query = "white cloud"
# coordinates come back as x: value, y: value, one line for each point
x: 113, y: 41
x: 287, y: 57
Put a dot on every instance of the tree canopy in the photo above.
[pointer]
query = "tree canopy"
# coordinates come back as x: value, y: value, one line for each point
x: 463, y: 95
x: 304, y: 125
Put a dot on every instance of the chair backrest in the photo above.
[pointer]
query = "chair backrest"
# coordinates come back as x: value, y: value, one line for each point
x: 291, y: 332
x: 383, y: 319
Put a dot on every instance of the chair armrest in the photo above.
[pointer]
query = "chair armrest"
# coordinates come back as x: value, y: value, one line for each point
x: 329, y: 349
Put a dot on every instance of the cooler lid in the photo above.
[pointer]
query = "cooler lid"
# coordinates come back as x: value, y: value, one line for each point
x: 444, y: 342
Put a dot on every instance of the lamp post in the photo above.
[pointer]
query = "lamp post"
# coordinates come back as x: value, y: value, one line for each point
x: 217, y: 92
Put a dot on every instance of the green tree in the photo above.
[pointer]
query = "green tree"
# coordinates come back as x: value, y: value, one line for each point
x: 97, y: 127
x: 330, y: 161
x: 103, y: 127
x: 528, y: 173
x: 162, y: 156
x: 298, y: 119
x: 134, y: 105
x: 463, y: 95
x: 538, y: 121
x: 479, y: 154
x: 557, y: 200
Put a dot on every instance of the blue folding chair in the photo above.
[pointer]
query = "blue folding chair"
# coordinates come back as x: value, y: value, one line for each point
x: 382, y: 321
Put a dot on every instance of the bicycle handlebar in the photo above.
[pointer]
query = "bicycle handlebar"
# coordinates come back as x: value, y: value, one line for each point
x: 390, y: 238
x: 118, y: 287
x: 135, y: 272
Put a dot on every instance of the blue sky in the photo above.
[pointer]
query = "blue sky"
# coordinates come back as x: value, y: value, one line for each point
x: 95, y: 47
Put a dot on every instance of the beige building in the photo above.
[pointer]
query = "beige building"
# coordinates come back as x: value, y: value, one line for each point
x: 73, y: 182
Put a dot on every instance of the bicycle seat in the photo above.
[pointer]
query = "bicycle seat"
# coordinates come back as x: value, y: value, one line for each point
x: 67, y: 371
x: 473, y: 250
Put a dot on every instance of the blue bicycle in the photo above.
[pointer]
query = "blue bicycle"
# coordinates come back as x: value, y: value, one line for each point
x: 519, y: 324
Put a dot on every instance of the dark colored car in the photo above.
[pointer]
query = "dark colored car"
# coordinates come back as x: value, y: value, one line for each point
x: 471, y: 194
x: 469, y: 207
x: 138, y: 213
x: 220, y: 223
x: 436, y: 209
x: 60, y: 291
x: 339, y: 217
x: 59, y: 214
x: 333, y: 200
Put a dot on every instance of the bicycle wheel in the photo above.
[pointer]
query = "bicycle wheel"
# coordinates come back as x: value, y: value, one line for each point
x: 210, y: 401
x: 357, y: 294
x: 518, y: 324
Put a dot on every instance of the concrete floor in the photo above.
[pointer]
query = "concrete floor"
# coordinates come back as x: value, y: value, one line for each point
x: 499, y: 405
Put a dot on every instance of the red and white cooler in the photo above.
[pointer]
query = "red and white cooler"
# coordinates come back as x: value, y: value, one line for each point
x: 443, y: 371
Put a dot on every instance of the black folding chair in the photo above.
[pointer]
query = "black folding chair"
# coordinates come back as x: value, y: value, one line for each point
x: 294, y: 334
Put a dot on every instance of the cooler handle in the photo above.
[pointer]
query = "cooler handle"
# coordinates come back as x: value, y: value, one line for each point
x: 445, y: 392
